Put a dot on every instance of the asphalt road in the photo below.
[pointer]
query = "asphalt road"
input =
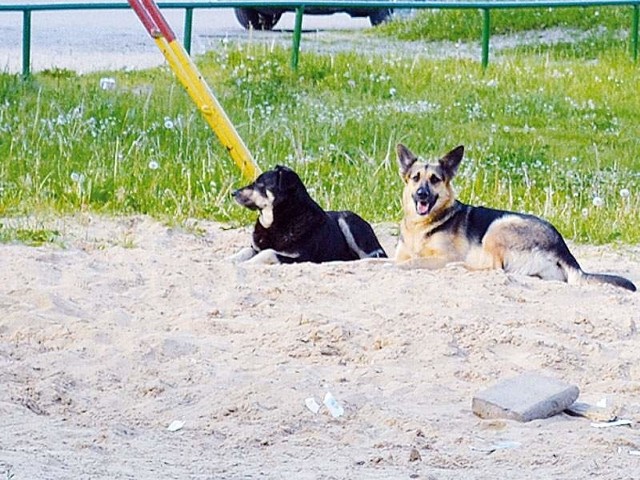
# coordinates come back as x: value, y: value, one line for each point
x: 93, y: 40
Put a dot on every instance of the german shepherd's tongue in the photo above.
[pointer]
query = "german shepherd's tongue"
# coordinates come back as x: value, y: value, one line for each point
x: 422, y: 207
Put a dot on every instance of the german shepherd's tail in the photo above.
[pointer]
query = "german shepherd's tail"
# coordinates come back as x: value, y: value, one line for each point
x: 611, y: 279
x: 578, y: 276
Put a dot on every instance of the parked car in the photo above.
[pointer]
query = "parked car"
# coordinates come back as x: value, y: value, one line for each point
x: 265, y: 18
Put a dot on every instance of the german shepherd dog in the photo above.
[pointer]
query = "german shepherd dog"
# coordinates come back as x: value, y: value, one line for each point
x: 291, y: 226
x: 437, y: 229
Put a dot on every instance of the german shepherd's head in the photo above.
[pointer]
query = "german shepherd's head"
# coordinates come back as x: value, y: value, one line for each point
x: 427, y: 186
x: 271, y: 189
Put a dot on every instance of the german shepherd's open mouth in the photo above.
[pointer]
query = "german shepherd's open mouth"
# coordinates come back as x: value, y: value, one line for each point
x: 425, y: 205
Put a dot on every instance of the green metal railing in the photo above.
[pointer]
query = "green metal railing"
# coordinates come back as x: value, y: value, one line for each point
x: 300, y: 5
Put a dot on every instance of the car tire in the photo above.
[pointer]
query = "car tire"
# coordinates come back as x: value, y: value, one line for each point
x: 381, y: 16
x: 250, y: 18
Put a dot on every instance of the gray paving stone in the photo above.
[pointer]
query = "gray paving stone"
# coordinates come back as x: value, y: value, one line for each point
x: 524, y: 398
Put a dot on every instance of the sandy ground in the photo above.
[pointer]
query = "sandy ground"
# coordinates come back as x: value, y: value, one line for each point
x: 129, y: 326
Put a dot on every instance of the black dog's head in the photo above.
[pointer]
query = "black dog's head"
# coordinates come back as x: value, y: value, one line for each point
x: 269, y: 190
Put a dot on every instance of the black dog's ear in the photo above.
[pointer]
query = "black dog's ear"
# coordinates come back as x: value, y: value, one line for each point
x: 450, y: 162
x: 282, y: 171
x: 280, y: 175
x: 405, y: 159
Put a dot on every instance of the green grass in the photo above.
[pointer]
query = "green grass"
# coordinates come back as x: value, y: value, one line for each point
x: 28, y: 236
x: 547, y: 131
x: 457, y: 25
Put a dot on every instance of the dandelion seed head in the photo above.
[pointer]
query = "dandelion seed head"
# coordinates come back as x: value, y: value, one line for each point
x: 625, y: 193
x: 597, y: 202
x: 107, y: 83
x: 77, y: 177
x: 153, y: 165
x: 585, y: 212
x: 168, y: 123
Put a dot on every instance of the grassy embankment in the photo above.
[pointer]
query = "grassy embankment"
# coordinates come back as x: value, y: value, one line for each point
x: 551, y: 130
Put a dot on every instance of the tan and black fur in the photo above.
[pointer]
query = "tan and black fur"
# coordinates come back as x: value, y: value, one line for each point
x: 437, y: 229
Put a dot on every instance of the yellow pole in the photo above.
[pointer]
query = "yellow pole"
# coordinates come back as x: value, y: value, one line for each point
x: 197, y: 88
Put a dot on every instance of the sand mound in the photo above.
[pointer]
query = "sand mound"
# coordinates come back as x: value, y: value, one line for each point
x: 132, y: 325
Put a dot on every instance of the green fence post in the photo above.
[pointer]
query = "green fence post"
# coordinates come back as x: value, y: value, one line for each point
x: 188, y: 27
x: 634, y: 32
x: 297, y: 33
x: 486, y: 31
x: 26, y: 43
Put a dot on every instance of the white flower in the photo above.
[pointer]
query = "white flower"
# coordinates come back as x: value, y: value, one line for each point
x: 77, y: 177
x: 625, y: 193
x: 597, y: 202
x: 107, y: 83
x: 153, y: 165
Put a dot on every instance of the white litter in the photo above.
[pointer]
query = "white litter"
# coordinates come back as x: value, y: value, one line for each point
x: 312, y: 404
x: 175, y: 425
x: 592, y: 412
x: 499, y: 445
x: 335, y: 409
x: 617, y: 423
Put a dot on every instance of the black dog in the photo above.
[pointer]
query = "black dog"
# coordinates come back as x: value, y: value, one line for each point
x: 293, y: 228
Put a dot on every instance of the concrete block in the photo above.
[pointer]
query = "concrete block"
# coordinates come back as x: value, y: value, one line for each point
x: 524, y: 398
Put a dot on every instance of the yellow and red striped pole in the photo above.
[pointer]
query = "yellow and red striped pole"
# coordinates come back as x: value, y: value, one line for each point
x: 196, y: 86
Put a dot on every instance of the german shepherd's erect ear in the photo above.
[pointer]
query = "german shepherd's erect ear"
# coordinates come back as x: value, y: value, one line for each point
x: 405, y: 158
x: 450, y: 162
